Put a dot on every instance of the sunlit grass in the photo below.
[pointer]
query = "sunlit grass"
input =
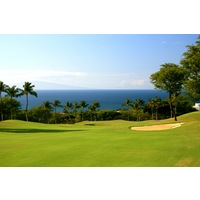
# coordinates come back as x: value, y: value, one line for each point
x: 101, y: 143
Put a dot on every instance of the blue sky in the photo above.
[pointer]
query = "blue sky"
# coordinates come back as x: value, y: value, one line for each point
x: 101, y: 61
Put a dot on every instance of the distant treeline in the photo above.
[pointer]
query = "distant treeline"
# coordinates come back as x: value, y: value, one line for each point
x: 72, y: 112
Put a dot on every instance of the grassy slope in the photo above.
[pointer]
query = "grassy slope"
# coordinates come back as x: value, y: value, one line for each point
x: 109, y: 143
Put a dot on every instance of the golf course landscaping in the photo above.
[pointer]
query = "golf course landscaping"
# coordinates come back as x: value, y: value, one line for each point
x: 101, y: 143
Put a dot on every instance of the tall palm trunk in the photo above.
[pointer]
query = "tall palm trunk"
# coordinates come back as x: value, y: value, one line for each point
x: 156, y: 113
x: 27, y: 107
x: 11, y: 110
x: 152, y: 113
x: 55, y: 114
x: 1, y: 108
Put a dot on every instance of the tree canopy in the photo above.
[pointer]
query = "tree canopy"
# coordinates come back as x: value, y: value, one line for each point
x: 191, y: 65
x: 170, y: 78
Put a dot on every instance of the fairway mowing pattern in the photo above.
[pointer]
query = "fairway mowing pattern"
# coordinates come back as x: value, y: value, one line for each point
x: 102, y: 144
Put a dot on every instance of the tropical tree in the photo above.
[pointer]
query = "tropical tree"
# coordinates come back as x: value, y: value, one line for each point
x: 28, y: 90
x: 96, y: 104
x: 170, y: 78
x: 83, y: 105
x: 127, y: 104
x: 12, y: 92
x: 55, y: 105
x: 157, y: 103
x: 8, y: 104
x: 67, y: 108
x: 191, y: 65
x: 3, y: 88
x: 75, y: 109
x: 137, y: 104
x: 46, y: 106
x: 93, y: 108
x: 151, y: 105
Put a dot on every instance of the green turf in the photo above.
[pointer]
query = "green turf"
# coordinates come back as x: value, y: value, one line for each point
x: 105, y: 143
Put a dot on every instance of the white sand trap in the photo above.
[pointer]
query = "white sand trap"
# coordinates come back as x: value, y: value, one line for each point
x: 157, y: 127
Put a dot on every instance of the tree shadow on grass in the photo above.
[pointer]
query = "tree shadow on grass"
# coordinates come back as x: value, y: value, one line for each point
x: 5, y: 130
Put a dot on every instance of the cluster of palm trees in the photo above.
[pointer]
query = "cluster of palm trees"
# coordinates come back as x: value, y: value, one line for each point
x: 136, y: 105
x: 154, y: 104
x: 139, y: 104
x: 48, y: 107
x: 69, y: 107
x: 14, y: 92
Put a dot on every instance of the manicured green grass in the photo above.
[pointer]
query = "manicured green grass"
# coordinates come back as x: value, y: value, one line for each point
x: 104, y: 143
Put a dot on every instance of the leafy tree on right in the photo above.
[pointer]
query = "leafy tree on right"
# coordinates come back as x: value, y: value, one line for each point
x: 170, y: 78
x: 191, y: 66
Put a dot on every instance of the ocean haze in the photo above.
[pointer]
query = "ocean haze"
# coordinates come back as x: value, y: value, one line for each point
x: 42, y: 85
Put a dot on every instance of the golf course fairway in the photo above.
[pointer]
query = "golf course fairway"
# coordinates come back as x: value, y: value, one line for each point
x: 100, y: 143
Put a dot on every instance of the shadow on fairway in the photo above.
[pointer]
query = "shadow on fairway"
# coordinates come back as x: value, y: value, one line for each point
x: 36, y: 131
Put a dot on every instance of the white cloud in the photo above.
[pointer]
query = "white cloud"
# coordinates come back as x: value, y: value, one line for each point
x: 15, y: 76
x: 77, y: 79
x: 137, y: 82
x: 130, y: 83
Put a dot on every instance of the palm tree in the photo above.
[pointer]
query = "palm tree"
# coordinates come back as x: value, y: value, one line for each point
x: 47, y: 108
x: 137, y: 105
x: 128, y: 103
x: 157, y: 101
x: 94, y: 106
x: 75, y: 108
x: 56, y: 104
x: 91, y: 109
x: 151, y: 105
x: 83, y: 105
x: 28, y: 89
x: 3, y: 88
x: 12, y: 92
x: 68, y: 106
x: 66, y: 109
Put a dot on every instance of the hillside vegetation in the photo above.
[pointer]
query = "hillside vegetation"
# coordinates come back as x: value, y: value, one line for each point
x: 101, y: 143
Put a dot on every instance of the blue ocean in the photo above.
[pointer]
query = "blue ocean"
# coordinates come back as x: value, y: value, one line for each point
x: 108, y: 99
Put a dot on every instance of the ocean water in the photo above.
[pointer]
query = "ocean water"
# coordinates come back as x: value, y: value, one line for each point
x: 108, y: 99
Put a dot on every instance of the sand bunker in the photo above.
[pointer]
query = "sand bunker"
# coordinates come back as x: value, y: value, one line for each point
x: 157, y: 127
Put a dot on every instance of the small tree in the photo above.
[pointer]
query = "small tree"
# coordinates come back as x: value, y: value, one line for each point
x: 151, y: 105
x: 83, y: 105
x: 28, y: 89
x: 170, y: 78
x: 76, y: 106
x: 67, y: 108
x: 55, y: 105
x: 127, y: 104
x: 3, y: 88
x: 93, y: 107
x: 46, y: 106
x: 157, y: 103
x: 137, y: 104
x: 12, y: 92
x: 9, y: 104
